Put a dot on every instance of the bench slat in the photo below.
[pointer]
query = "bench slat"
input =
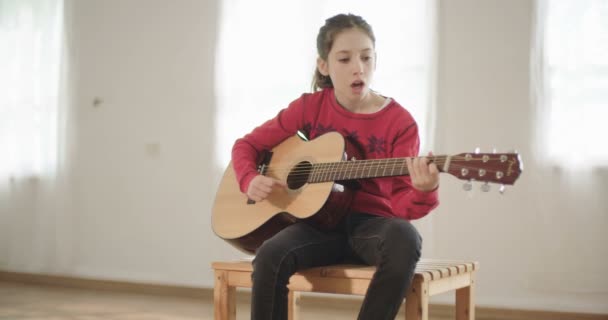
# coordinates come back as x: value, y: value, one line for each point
x: 432, y: 269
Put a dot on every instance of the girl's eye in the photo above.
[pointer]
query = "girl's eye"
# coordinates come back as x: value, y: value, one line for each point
x: 343, y: 60
x: 366, y: 58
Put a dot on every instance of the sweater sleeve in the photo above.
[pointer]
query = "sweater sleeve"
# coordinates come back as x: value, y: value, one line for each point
x: 246, y: 150
x: 408, y: 202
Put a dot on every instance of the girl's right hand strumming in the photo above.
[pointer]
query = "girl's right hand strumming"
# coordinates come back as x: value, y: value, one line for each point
x: 261, y: 186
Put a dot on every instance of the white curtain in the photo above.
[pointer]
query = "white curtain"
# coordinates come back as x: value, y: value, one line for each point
x: 266, y: 57
x: 570, y: 95
x: 570, y: 78
x: 32, y: 113
x: 30, y: 49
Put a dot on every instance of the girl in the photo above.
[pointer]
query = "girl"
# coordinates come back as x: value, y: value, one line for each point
x: 377, y: 231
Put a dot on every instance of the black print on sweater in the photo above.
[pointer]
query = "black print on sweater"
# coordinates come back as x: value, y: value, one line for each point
x: 352, y: 136
x: 322, y: 129
x: 375, y: 145
x: 307, y: 129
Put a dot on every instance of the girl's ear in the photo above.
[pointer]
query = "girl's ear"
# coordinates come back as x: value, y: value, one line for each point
x: 322, y: 66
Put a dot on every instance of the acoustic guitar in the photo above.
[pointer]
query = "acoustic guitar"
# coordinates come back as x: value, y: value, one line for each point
x: 321, y: 175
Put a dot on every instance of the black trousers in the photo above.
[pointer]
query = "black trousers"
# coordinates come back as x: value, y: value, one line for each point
x: 392, y: 245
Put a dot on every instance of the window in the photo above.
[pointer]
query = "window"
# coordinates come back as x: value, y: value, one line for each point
x: 30, y: 56
x: 266, y: 57
x: 574, y: 40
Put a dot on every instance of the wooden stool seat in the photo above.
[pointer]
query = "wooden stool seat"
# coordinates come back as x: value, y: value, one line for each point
x: 432, y: 277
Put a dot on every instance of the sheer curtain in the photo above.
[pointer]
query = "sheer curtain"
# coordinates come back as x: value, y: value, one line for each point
x: 32, y: 186
x: 570, y: 74
x: 30, y: 43
x: 570, y: 95
x: 266, y: 57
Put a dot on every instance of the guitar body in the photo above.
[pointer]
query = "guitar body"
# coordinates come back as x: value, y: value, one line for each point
x: 246, y: 224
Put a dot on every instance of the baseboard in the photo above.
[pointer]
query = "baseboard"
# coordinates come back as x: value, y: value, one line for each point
x: 437, y: 311
x: 109, y: 285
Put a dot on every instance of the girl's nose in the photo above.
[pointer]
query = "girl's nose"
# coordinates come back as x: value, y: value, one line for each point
x: 358, y: 68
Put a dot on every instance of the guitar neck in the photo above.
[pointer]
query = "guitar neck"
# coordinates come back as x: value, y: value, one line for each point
x: 362, y: 169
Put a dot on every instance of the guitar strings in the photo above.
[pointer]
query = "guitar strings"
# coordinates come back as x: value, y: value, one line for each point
x: 388, y: 160
x: 320, y: 174
x: 361, y: 170
x: 379, y: 164
x: 319, y: 178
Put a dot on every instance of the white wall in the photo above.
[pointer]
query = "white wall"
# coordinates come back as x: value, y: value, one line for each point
x: 141, y: 179
x: 142, y: 174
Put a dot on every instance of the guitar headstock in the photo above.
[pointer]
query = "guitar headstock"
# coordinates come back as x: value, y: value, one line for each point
x: 502, y: 168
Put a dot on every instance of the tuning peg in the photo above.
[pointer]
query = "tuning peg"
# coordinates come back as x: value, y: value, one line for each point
x: 467, y: 186
x: 477, y: 150
x: 485, y: 187
x: 513, y: 151
x: 502, y: 189
x: 494, y: 150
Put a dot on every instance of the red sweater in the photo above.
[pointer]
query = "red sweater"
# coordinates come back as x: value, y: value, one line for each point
x: 388, y: 133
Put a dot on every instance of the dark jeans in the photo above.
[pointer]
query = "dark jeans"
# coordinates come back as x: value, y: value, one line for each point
x: 392, y: 245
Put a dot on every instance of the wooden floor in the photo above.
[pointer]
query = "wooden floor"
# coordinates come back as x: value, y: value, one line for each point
x: 51, y: 302
x: 21, y: 301
x: 40, y: 302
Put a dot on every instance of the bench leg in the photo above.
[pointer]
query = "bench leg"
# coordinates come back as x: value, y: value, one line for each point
x: 293, y: 305
x: 417, y: 301
x: 465, y: 302
x: 224, y: 298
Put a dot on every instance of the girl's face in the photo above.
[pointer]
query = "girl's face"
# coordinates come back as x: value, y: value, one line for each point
x: 350, y: 65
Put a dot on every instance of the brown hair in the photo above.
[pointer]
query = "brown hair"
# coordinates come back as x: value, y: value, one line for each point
x: 325, y: 40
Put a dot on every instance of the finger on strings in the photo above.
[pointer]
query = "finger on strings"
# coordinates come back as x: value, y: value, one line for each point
x: 424, y: 165
x: 418, y: 166
x: 410, y: 165
x: 433, y: 169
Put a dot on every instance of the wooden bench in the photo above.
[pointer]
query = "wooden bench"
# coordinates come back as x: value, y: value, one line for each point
x: 432, y: 277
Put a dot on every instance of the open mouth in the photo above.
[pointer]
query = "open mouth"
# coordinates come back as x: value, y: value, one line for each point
x: 357, y: 84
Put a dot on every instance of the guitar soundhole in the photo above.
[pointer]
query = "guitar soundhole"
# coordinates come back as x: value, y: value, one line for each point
x: 298, y: 176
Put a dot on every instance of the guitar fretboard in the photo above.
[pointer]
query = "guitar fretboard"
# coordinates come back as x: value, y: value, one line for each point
x: 361, y: 169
